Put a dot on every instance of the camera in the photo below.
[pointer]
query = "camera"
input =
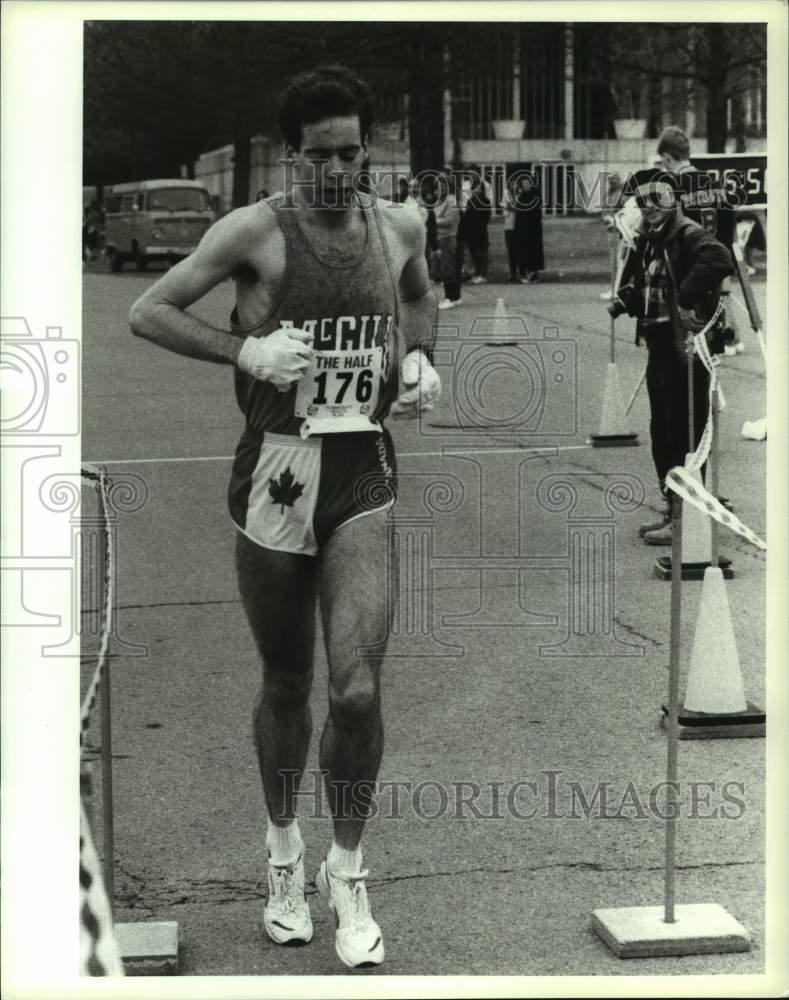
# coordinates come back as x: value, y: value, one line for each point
x: 500, y: 379
x: 41, y: 380
x: 627, y: 300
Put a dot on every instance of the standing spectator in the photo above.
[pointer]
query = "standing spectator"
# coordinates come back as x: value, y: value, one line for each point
x: 476, y: 217
x: 508, y: 204
x: 92, y: 220
x: 447, y: 216
x: 613, y: 197
x: 427, y: 195
x: 528, y: 229
x: 671, y: 284
x: 85, y: 237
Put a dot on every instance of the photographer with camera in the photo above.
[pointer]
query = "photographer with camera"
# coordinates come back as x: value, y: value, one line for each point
x: 671, y: 285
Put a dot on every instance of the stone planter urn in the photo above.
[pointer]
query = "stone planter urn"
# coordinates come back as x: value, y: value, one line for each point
x: 508, y: 128
x: 630, y: 128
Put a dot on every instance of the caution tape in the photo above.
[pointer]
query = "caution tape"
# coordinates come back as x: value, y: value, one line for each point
x: 99, y: 952
x: 680, y: 480
x: 695, y: 461
x: 89, y: 701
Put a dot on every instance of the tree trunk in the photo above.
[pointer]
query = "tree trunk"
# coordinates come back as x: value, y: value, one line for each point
x: 738, y: 123
x: 718, y: 58
x: 426, y: 99
x: 242, y: 152
x: 654, y: 106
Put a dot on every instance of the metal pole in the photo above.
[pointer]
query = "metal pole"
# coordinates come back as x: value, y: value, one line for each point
x: 673, y: 705
x: 614, y: 256
x: 629, y: 406
x: 714, y: 478
x: 691, y: 424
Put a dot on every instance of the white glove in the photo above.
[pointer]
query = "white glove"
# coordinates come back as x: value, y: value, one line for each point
x: 280, y: 358
x: 423, y: 387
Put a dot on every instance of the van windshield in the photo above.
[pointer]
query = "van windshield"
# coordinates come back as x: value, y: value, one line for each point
x: 178, y: 200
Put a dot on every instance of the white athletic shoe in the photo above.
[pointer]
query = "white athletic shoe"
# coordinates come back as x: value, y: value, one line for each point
x: 448, y: 303
x: 286, y: 915
x: 358, y: 938
x: 479, y: 280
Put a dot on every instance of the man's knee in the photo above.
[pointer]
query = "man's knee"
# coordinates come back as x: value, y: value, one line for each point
x: 286, y: 690
x: 356, y: 700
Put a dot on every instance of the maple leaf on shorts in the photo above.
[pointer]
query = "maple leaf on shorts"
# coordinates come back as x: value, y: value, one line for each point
x: 285, y: 490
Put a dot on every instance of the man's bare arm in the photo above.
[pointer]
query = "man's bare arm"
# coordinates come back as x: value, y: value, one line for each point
x: 160, y: 314
x: 418, y: 303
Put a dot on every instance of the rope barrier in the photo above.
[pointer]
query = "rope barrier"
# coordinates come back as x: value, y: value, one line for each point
x: 89, y: 702
x: 99, y: 950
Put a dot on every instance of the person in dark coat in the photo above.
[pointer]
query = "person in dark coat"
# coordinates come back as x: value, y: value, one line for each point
x: 529, y: 255
x: 473, y: 230
x: 671, y: 284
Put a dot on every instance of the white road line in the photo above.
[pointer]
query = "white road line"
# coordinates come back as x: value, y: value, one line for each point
x: 403, y: 454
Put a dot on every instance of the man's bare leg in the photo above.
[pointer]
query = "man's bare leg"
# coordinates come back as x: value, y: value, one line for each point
x: 278, y: 590
x: 356, y: 619
x: 354, y: 599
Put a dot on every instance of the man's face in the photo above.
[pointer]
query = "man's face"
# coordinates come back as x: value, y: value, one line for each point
x: 655, y: 215
x: 332, y: 151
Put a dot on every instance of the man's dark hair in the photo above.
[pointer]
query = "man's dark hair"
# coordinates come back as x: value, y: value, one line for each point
x: 674, y: 142
x: 325, y: 92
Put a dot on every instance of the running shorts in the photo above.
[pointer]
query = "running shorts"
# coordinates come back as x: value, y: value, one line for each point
x: 290, y: 494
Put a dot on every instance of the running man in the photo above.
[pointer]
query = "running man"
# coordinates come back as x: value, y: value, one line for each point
x: 333, y: 301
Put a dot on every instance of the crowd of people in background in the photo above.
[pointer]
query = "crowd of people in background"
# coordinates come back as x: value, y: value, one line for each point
x: 456, y: 208
x: 92, y: 222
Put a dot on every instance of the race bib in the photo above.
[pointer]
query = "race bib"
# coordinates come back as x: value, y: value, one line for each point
x: 339, y: 391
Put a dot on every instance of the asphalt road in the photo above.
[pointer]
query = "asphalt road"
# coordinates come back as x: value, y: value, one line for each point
x: 511, y: 672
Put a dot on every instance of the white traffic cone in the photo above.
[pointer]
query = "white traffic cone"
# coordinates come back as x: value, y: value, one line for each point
x: 714, y: 679
x: 500, y: 320
x: 696, y: 532
x: 506, y: 328
x: 614, y: 429
x: 715, y: 704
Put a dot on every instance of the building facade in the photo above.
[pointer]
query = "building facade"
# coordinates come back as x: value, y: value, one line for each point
x: 549, y: 97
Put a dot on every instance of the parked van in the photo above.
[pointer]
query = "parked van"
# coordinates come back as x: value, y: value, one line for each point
x: 155, y: 220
